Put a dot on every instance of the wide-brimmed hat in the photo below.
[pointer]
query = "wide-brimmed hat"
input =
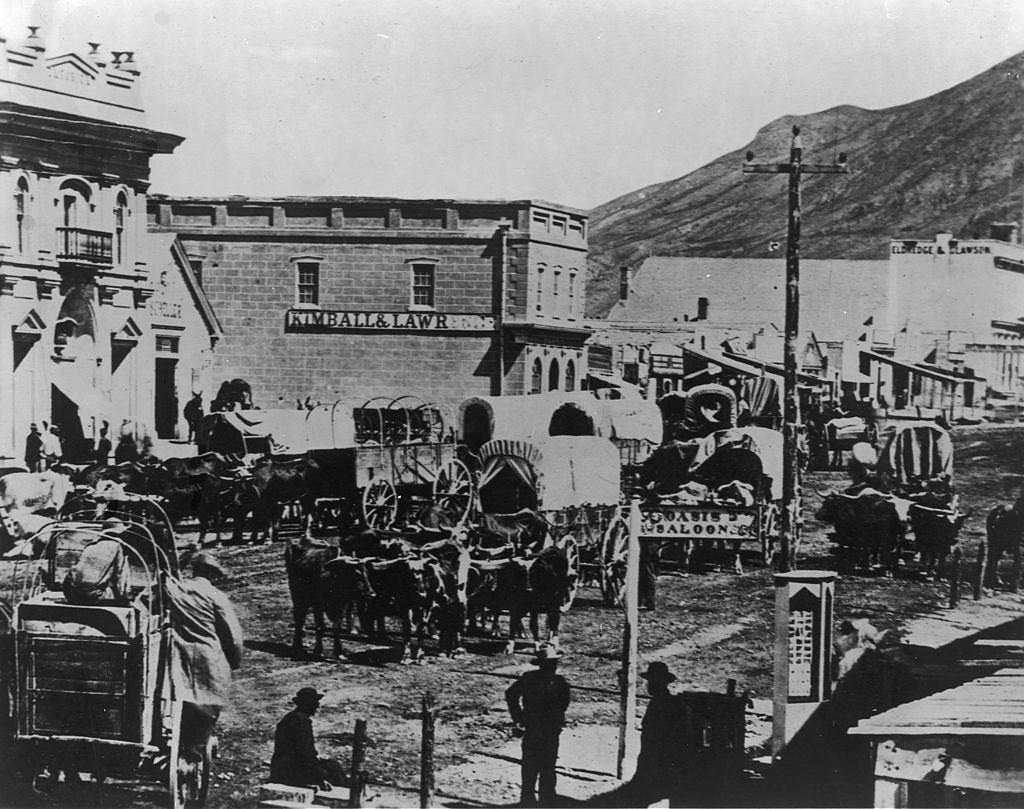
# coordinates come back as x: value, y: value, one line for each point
x: 546, y: 654
x: 658, y: 672
x: 307, y: 695
x: 209, y: 561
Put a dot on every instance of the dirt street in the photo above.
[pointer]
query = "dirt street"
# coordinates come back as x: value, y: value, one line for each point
x: 709, y: 626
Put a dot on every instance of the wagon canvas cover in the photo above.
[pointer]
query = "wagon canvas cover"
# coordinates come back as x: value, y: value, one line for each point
x: 765, y: 443
x: 564, y: 471
x: 291, y: 432
x: 920, y: 450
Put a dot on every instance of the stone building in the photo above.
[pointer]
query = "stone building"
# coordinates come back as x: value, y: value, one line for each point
x: 79, y: 342
x: 338, y: 297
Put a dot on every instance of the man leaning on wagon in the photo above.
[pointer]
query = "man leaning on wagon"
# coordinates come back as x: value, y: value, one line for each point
x: 207, y: 648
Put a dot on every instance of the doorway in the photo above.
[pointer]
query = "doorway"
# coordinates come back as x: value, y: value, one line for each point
x: 165, y: 415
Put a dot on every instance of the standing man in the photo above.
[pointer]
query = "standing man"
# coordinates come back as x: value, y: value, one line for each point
x: 33, y: 448
x: 537, y: 702
x: 207, y: 648
x: 51, y: 446
x: 295, y: 760
x: 650, y: 557
x: 103, y: 446
x: 659, y: 766
x: 102, y: 451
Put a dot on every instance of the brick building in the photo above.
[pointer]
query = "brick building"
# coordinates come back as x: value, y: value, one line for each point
x: 333, y: 297
x: 79, y: 342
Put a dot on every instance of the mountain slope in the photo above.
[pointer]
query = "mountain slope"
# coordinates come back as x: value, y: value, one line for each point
x: 950, y: 162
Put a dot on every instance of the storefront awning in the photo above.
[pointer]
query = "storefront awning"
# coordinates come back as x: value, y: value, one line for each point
x: 748, y: 366
x: 921, y: 369
x: 778, y: 370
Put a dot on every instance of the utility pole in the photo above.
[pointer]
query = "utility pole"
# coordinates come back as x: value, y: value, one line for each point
x: 795, y: 168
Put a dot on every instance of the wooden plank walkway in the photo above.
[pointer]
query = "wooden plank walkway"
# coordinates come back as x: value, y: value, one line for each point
x: 988, y: 706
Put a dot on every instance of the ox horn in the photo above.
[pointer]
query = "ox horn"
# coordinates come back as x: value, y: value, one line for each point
x: 821, y: 493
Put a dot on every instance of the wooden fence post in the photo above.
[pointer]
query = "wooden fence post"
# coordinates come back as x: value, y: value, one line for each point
x: 954, y: 580
x: 1015, y: 582
x: 628, y: 673
x: 357, y: 776
x: 428, y: 714
x: 979, y: 579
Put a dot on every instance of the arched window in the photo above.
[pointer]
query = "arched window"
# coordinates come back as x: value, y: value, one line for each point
x: 20, y: 206
x: 537, y: 377
x: 120, y: 211
x: 556, y: 277
x: 74, y: 201
x: 570, y: 375
x: 572, y: 294
x: 540, y: 290
x: 553, y: 376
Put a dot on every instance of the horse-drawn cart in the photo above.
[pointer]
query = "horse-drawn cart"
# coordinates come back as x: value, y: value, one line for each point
x: 378, y: 457
x: 728, y: 493
x: 573, y: 483
x: 92, y: 678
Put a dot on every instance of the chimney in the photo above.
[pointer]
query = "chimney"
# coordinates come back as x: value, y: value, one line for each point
x: 34, y: 41
x: 95, y: 56
x: 1004, y: 231
x: 702, y: 308
x: 128, y: 64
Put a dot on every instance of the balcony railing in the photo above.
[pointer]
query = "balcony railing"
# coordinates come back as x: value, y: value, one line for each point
x: 78, y: 244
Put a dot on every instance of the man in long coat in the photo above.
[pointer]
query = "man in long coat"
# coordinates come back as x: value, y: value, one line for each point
x: 207, y: 648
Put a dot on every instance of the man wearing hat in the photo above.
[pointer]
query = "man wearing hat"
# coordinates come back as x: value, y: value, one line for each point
x: 33, y: 448
x: 659, y: 767
x: 295, y: 761
x: 207, y: 648
x: 537, y: 702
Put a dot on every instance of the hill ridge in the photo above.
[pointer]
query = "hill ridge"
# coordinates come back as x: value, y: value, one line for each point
x: 952, y: 161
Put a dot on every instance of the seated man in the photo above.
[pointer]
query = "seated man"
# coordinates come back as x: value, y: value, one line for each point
x: 101, y: 572
x: 295, y: 761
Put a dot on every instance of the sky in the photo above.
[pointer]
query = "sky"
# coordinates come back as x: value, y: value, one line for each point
x: 571, y: 101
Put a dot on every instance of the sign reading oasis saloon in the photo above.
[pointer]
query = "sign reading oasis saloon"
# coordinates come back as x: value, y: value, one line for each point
x: 321, y: 320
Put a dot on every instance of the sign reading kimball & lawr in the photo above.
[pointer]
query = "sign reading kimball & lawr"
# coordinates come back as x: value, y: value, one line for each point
x: 689, y: 522
x: 321, y: 320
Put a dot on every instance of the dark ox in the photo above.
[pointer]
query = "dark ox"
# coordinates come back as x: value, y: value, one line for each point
x: 414, y: 589
x: 196, y: 496
x: 314, y: 591
x: 1004, y: 528
x: 868, y: 525
x: 533, y: 586
x: 936, y: 532
x: 273, y: 484
x: 210, y: 463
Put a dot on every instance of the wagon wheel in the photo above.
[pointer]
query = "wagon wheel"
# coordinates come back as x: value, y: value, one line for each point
x: 572, y: 555
x: 769, y: 529
x: 380, y: 504
x: 431, y: 423
x: 188, y: 781
x: 614, y: 553
x: 454, y: 490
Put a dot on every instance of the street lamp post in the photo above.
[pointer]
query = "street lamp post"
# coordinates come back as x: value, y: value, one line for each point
x: 795, y: 168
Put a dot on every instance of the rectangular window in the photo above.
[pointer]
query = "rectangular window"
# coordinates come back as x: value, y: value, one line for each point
x: 422, y: 284
x: 197, y: 268
x: 166, y: 345
x: 558, y: 225
x: 308, y: 287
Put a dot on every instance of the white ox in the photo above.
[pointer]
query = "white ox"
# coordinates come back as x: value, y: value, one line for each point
x: 33, y: 491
